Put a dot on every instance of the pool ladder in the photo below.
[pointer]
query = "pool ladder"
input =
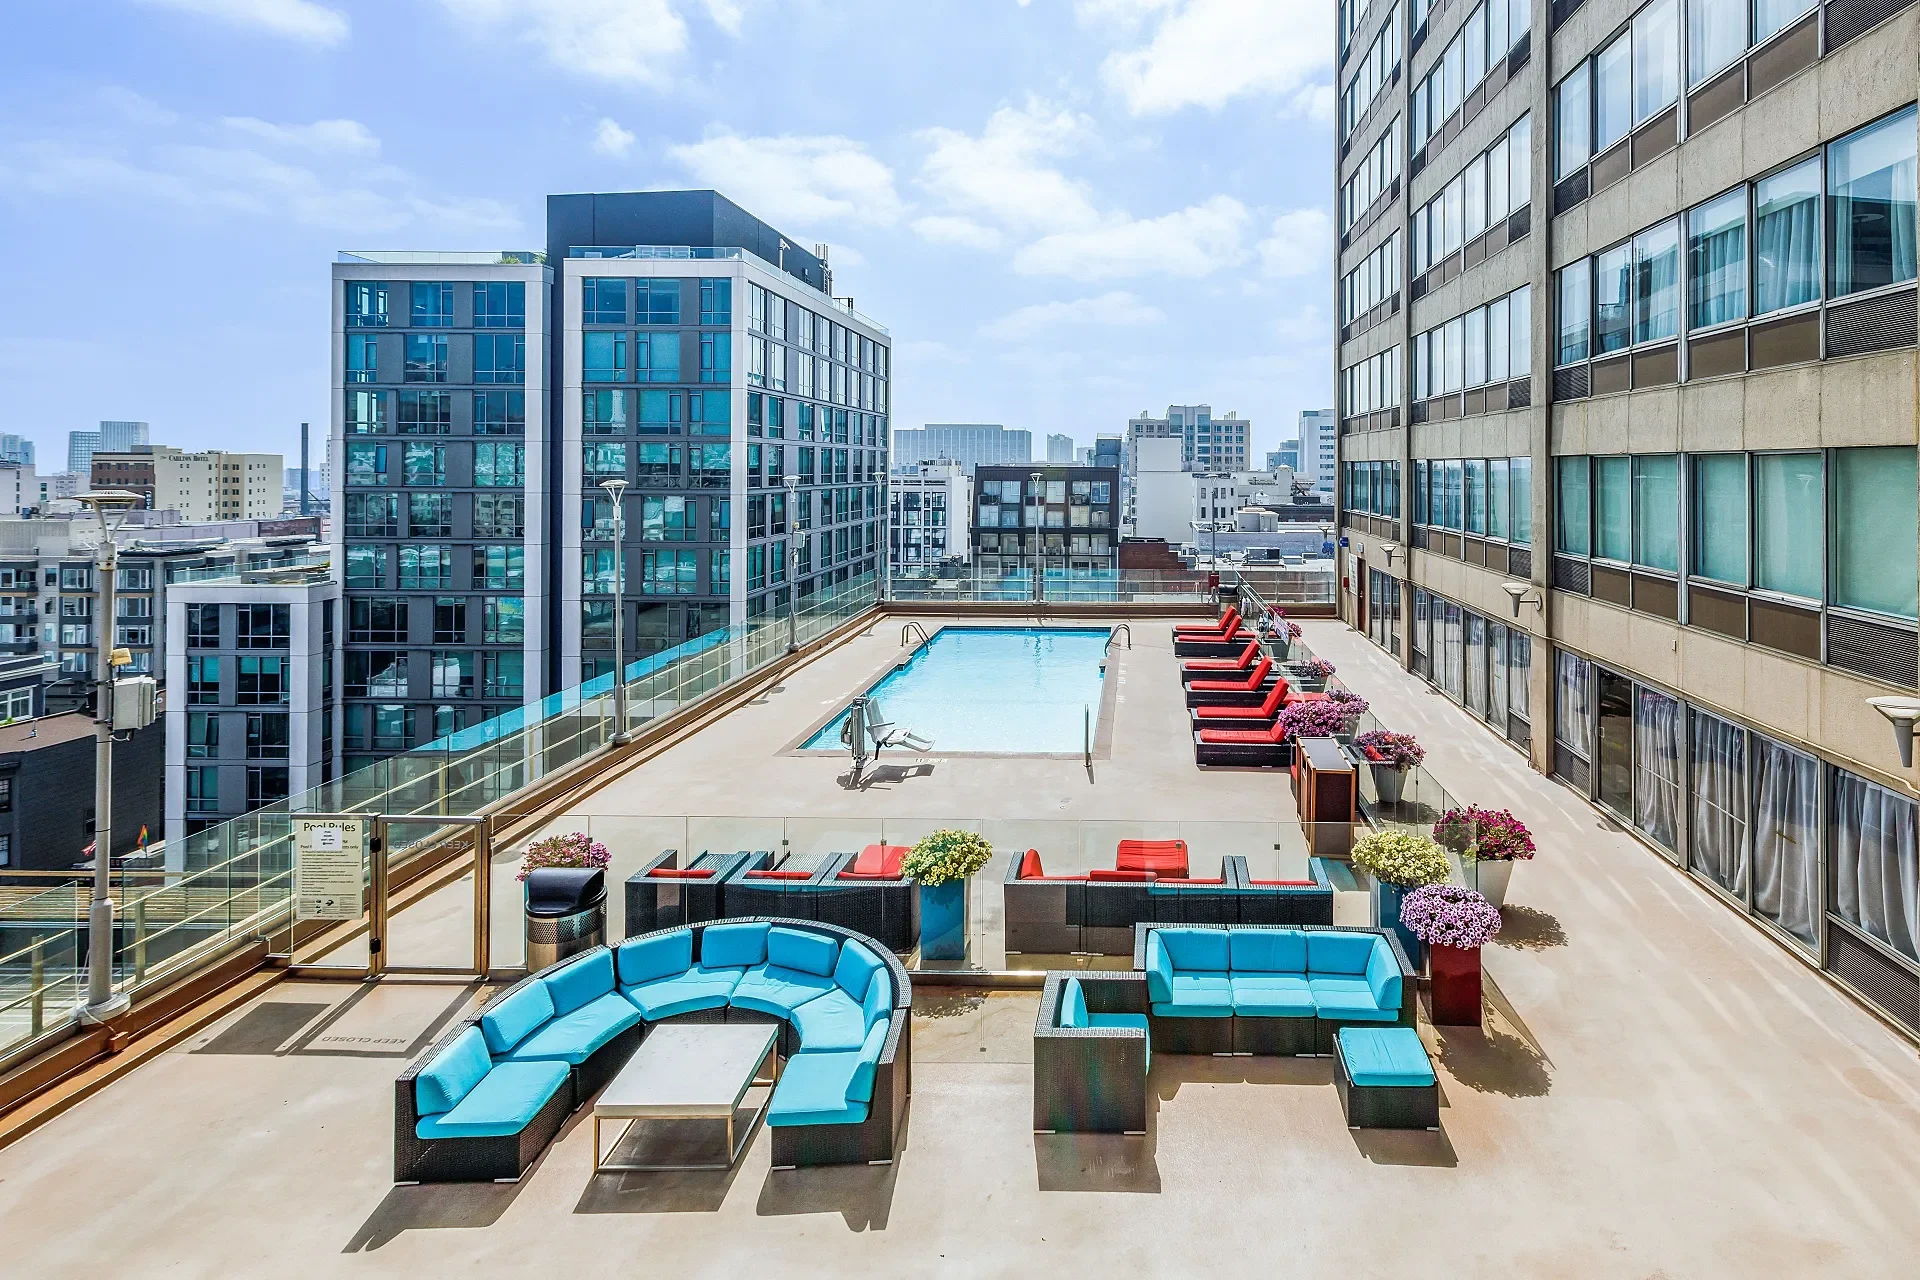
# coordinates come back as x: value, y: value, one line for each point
x: 911, y: 629
x: 1114, y: 634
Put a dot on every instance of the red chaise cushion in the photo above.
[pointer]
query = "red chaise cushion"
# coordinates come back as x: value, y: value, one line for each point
x: 669, y: 873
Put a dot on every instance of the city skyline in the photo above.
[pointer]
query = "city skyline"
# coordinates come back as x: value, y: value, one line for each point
x: 996, y: 220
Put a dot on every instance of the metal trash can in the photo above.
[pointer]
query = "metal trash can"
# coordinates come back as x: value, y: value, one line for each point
x: 566, y: 913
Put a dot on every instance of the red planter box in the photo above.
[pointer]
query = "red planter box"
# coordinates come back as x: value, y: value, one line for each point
x: 1455, y: 986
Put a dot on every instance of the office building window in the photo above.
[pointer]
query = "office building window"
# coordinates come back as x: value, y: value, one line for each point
x: 1720, y: 517
x: 432, y: 305
x: 366, y: 463
x: 499, y: 357
x: 1876, y: 559
x: 499, y: 568
x: 603, y: 301
x: 500, y: 305
x: 367, y: 567
x: 502, y: 675
x: 366, y: 413
x: 376, y: 621
x: 267, y: 736
x: 366, y: 304
x: 1786, y: 238
x: 203, y: 679
x: 203, y: 735
x: 499, y: 413
x: 1875, y: 835
x: 262, y: 682
x: 376, y: 674
x: 1656, y: 511
x: 505, y: 620
x: 1572, y: 536
x: 449, y: 620
x: 603, y: 357
x: 1717, y: 260
x: 203, y: 788
x: 426, y: 464
x: 426, y: 568
x: 430, y: 515
x: 716, y: 302
x: 498, y: 517
x: 1788, y: 515
x: 657, y: 302
x: 499, y: 465
x: 363, y: 357
x: 452, y: 675
x: 262, y: 626
x: 1870, y: 206
x: 426, y: 357
x: 203, y: 626
x: 656, y: 357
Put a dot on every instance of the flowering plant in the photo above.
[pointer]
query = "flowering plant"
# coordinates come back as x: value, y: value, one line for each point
x: 1492, y: 835
x: 1319, y: 717
x: 1400, y: 858
x: 1446, y: 915
x: 1394, y: 750
x: 946, y: 855
x: 575, y: 849
x: 1318, y: 668
x: 1293, y: 631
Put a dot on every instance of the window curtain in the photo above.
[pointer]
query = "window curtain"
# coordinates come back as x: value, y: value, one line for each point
x: 1786, y: 238
x: 1717, y: 253
x: 1871, y: 180
x: 1716, y: 836
x: 1716, y: 35
x: 1786, y: 838
x: 1613, y: 509
x: 1788, y: 519
x: 1656, y: 766
x: 1876, y: 537
x: 1573, y: 715
x: 1519, y: 669
x: 1476, y: 650
x: 1874, y: 860
x: 1770, y: 16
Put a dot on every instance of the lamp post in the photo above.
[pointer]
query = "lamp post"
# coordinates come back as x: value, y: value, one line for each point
x: 792, y: 482
x: 617, y: 491
x: 111, y: 507
x: 1037, y: 481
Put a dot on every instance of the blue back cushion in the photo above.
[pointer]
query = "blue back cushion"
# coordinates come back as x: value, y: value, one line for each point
x: 733, y: 946
x: 451, y: 1075
x: 1383, y: 975
x: 860, y: 1088
x: 878, y: 1006
x: 1195, y: 950
x: 1267, y: 950
x: 516, y: 1017
x: 1159, y: 970
x: 644, y: 960
x: 586, y: 979
x: 855, y: 969
x: 799, y: 949
x: 1073, y: 1005
x: 1339, y: 952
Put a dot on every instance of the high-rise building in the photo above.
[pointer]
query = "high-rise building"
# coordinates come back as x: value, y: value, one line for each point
x: 1060, y: 448
x: 1067, y: 515
x: 112, y: 437
x: 971, y: 444
x: 1287, y: 455
x: 202, y: 486
x: 1206, y: 443
x: 668, y: 339
x: 929, y: 516
x: 1319, y: 454
x: 1625, y: 368
x: 16, y: 449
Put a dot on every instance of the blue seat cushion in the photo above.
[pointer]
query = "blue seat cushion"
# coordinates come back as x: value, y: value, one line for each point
x: 1073, y: 1005
x: 830, y: 1022
x: 1339, y: 997
x: 573, y: 1037
x: 1129, y: 1021
x: 1272, y: 995
x: 733, y: 946
x: 803, y: 950
x: 1336, y: 952
x: 1195, y: 950
x: 827, y: 1088
x: 1159, y: 970
x: 1383, y: 975
x: 696, y: 989
x: 502, y: 1104
x: 516, y: 1017
x: 878, y: 1006
x: 1385, y: 1057
x: 1267, y: 950
x: 452, y: 1074
x: 855, y: 969
x: 1198, y: 995
x: 583, y: 981
x: 769, y: 988
x: 645, y: 959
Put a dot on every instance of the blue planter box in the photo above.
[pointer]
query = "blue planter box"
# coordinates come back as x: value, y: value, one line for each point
x: 943, y: 921
x: 1386, y: 909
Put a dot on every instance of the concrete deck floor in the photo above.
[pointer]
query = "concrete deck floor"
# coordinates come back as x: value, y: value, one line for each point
x: 1660, y: 1091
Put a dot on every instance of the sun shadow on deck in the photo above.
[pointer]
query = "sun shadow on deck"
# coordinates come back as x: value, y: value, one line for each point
x: 438, y: 1206
x: 1528, y: 929
x: 1109, y: 1162
x: 862, y: 1194
x: 1491, y: 1060
x: 1420, y: 1148
x: 885, y: 775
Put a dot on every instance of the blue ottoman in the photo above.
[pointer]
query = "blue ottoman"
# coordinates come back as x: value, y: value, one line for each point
x: 1385, y: 1079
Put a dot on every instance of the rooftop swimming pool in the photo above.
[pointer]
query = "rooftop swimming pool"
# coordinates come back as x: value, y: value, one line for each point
x: 993, y: 691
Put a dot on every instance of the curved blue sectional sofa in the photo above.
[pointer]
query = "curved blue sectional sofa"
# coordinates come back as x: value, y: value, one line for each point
x: 487, y: 1099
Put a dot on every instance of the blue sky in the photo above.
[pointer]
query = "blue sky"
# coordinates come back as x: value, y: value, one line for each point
x: 1066, y: 210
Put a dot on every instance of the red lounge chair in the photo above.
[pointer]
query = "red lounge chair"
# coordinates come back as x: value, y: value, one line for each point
x: 1211, y: 667
x: 1277, y: 697
x: 1162, y: 857
x: 1245, y: 737
x: 1219, y: 630
x: 1255, y: 678
x: 877, y: 862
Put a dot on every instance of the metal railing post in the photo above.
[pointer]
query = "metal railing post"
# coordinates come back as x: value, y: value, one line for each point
x: 139, y: 940
x: 483, y: 896
x: 377, y: 906
x: 37, y: 1017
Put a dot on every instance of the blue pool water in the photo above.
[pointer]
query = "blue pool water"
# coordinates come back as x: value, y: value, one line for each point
x: 1004, y: 691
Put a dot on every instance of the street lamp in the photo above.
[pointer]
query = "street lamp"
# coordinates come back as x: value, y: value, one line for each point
x: 111, y: 507
x: 617, y: 491
x: 1901, y: 713
x: 792, y: 481
x: 1035, y: 480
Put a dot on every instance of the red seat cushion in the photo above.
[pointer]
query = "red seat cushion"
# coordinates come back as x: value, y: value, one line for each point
x: 1258, y: 737
x: 877, y: 862
x: 669, y: 873
x: 1255, y: 678
x: 1240, y: 663
x: 1228, y: 621
x: 1111, y: 873
x: 1030, y: 865
x: 1166, y: 857
x: 779, y: 875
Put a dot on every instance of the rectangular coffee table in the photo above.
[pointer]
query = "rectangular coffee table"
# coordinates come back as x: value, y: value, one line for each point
x: 688, y: 1071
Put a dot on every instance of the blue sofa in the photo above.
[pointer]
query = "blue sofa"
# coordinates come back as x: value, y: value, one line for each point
x: 488, y: 1097
x: 1268, y: 989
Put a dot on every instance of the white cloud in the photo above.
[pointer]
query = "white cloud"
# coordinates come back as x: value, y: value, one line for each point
x: 135, y: 108
x: 300, y: 20
x: 1118, y: 310
x: 1001, y: 173
x: 1196, y: 241
x: 1096, y: 12
x: 1205, y: 53
x: 1315, y: 102
x: 963, y: 232
x: 796, y: 179
x: 726, y: 14
x: 345, y: 137
x: 635, y: 41
x: 609, y: 139
x: 1297, y: 243
x: 845, y: 255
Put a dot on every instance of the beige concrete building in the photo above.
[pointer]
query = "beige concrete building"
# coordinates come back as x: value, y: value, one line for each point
x: 1627, y: 424
x: 213, y: 484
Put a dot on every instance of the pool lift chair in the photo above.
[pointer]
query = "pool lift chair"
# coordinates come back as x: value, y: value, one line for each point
x: 867, y: 725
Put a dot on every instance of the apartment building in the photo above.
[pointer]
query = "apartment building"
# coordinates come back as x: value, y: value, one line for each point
x: 929, y: 517
x: 1626, y: 369
x: 1066, y: 517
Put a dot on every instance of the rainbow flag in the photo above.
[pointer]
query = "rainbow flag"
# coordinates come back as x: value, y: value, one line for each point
x: 142, y: 841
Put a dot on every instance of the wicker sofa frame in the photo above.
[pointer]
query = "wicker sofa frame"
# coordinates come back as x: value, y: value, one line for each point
x: 507, y: 1158
x: 883, y: 911
x: 1242, y: 755
x: 1306, y: 1037
x: 1079, y: 916
x: 1090, y: 1079
x: 1384, y: 1106
x: 654, y: 903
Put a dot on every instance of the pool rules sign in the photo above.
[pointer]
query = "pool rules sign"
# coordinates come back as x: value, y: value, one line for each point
x: 327, y: 877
